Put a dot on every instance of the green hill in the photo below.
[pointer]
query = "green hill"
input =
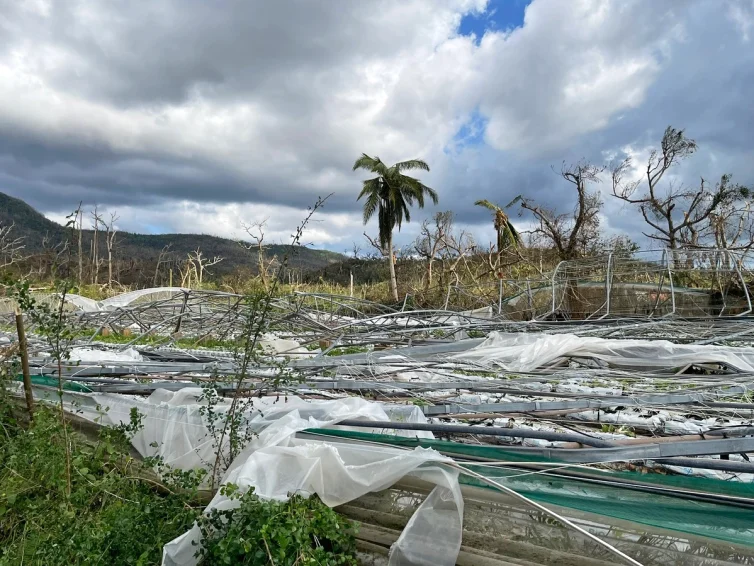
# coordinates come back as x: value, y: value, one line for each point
x: 41, y: 234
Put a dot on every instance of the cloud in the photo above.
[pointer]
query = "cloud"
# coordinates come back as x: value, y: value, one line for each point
x: 186, y: 115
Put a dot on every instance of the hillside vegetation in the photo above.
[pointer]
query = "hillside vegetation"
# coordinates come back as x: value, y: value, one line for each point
x: 138, y: 254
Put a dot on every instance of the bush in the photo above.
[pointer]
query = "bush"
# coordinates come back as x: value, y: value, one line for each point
x: 117, y: 515
x: 299, y: 531
x: 113, y: 516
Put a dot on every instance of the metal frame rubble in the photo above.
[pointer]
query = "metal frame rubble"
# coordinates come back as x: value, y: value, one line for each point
x: 615, y: 364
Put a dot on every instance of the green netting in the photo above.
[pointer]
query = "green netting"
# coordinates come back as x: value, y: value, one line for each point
x: 712, y: 520
x: 53, y: 382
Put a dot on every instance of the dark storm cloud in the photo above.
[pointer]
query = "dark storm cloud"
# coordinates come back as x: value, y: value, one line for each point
x: 270, y: 102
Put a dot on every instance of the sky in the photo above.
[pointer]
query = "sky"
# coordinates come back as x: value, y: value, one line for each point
x: 196, y: 117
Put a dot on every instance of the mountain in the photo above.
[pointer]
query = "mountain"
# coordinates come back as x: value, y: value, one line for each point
x: 40, y: 234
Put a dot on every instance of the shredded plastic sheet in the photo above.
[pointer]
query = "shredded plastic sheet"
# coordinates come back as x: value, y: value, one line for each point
x: 84, y: 303
x: 527, y: 352
x: 94, y: 355
x: 271, y: 344
x: 277, y: 464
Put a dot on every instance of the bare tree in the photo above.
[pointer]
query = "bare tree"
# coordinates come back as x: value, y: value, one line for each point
x: 110, y: 231
x: 375, y: 244
x: 96, y: 221
x: 678, y: 215
x: 432, y: 240
x: 197, y: 266
x: 571, y: 235
x: 78, y: 226
x: 53, y: 254
x: 456, y: 249
x: 10, y: 248
x: 160, y: 260
x: 264, y: 264
x: 731, y: 225
x: 355, y: 250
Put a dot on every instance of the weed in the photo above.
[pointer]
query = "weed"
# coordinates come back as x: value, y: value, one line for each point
x: 257, y: 533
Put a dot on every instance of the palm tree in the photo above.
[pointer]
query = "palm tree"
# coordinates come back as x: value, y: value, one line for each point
x: 391, y: 194
x: 507, y: 236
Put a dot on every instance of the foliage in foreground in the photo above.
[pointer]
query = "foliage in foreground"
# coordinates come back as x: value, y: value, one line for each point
x: 113, y: 515
x: 297, y: 532
x: 117, y: 514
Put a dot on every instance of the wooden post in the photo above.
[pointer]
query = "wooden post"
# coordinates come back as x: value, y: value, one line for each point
x: 24, y: 352
x: 180, y: 316
x: 350, y: 287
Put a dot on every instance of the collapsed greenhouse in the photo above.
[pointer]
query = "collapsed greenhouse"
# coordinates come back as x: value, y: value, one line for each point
x: 599, y: 416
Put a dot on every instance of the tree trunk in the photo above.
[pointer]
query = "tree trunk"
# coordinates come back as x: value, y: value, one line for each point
x: 428, y: 280
x: 393, y: 280
x: 80, y: 218
x: 95, y: 254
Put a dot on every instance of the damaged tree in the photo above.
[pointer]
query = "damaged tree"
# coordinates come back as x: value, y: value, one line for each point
x: 680, y: 216
x: 432, y: 240
x: 11, y: 248
x: 264, y: 264
x: 391, y: 194
x: 571, y: 235
x: 110, y: 231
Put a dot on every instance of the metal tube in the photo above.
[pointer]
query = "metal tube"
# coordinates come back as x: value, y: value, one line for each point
x: 544, y: 509
x: 483, y: 430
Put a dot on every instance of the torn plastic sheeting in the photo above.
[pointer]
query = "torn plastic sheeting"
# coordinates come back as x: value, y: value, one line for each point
x: 272, y: 344
x: 527, y: 352
x: 125, y: 299
x: 277, y: 464
x: 93, y: 355
x: 175, y: 428
x: 342, y: 473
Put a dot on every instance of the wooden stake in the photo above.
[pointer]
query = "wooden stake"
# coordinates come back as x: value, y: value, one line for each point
x: 24, y: 353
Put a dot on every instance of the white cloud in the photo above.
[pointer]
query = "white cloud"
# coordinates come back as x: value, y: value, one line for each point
x: 198, y: 109
x: 742, y: 13
x: 228, y: 220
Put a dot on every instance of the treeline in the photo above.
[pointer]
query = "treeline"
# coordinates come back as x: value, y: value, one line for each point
x: 91, y: 251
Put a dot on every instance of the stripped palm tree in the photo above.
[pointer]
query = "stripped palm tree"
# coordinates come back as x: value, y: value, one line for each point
x: 391, y: 194
x: 507, y: 236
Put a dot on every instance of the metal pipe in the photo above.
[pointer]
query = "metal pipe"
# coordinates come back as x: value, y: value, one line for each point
x: 544, y: 509
x: 483, y: 430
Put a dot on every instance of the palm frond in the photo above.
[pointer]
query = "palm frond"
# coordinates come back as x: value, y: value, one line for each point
x: 391, y: 194
x: 487, y: 204
x: 364, y: 162
x: 514, y: 201
x: 370, y: 186
x: 432, y: 194
x: 411, y: 164
x: 507, y: 236
x: 386, y: 223
x: 406, y: 214
x: 370, y: 206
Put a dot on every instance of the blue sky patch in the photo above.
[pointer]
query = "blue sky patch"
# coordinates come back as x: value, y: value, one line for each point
x: 472, y: 132
x: 500, y: 15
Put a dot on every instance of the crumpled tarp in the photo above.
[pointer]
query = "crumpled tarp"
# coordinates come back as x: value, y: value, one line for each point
x: 527, y: 352
x: 276, y: 463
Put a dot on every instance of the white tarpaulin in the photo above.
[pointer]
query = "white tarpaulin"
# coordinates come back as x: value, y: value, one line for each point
x: 527, y: 352
x: 276, y: 463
